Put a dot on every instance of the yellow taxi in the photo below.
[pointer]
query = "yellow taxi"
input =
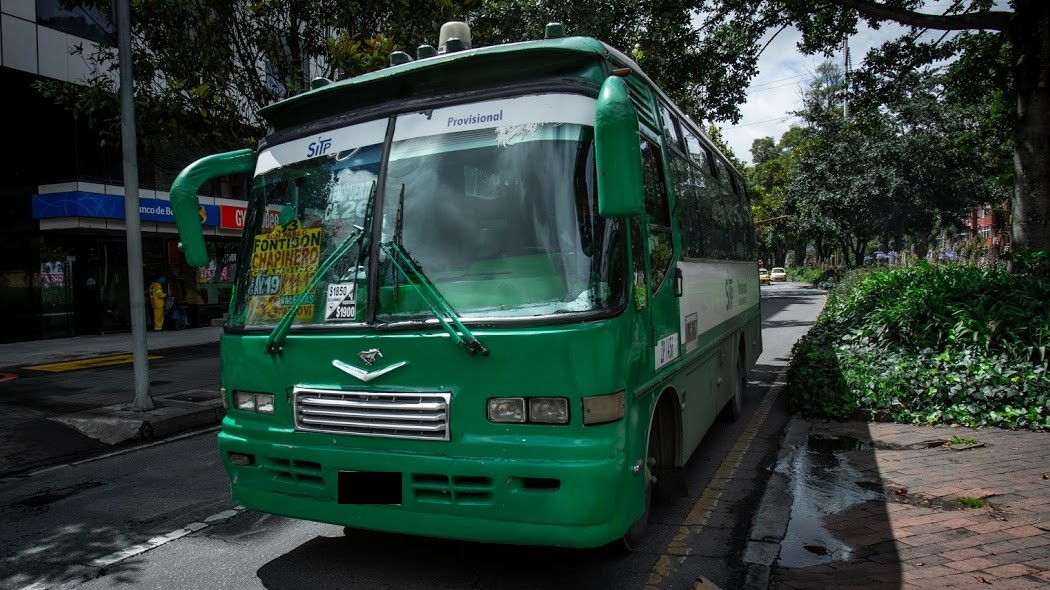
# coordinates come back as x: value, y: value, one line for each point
x: 763, y: 276
x: 778, y: 274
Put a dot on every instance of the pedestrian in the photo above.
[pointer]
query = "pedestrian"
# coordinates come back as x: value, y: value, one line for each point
x: 158, y: 294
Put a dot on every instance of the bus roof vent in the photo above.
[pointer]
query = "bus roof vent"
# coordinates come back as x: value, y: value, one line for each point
x: 457, y: 31
x: 425, y: 50
x: 399, y: 57
x: 319, y: 83
x: 641, y: 96
x: 554, y: 31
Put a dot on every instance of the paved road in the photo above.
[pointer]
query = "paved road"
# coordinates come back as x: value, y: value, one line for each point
x: 160, y: 517
x: 28, y: 439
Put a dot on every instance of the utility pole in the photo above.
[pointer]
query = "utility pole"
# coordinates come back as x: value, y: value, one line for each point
x: 845, y: 78
x: 140, y: 353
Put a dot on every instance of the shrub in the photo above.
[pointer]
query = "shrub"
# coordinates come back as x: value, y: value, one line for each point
x: 930, y: 344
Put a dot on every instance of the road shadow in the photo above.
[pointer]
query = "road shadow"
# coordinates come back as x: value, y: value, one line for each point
x: 839, y: 532
x: 374, y: 560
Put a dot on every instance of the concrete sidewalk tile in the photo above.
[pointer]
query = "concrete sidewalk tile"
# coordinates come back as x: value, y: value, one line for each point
x: 1037, y: 552
x: 972, y: 564
x: 1012, y: 570
x: 961, y: 554
x: 1026, y: 531
x: 912, y: 573
x: 989, y: 526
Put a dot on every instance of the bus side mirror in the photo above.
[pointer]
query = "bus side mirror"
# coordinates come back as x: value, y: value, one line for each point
x: 184, y: 198
x: 617, y: 152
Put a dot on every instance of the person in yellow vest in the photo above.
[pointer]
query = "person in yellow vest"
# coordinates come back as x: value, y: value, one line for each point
x: 157, y: 295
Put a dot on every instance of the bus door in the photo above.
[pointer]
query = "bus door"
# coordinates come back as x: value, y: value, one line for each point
x: 664, y: 281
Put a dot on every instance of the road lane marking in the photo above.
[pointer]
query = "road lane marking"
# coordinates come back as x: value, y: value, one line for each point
x: 88, y: 363
x: 678, y: 549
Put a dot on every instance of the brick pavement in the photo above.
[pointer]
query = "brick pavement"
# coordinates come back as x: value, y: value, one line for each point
x: 915, y: 534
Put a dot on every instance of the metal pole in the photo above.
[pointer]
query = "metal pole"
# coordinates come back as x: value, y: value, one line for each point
x: 140, y: 353
x: 845, y: 78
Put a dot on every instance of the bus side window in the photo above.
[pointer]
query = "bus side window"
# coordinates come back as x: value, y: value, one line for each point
x: 661, y: 245
x: 639, y: 291
x: 687, y: 206
x: 671, y: 128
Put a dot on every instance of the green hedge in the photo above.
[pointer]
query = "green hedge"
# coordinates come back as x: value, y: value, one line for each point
x: 930, y: 344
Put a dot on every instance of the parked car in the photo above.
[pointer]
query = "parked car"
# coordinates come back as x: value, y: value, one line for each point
x: 778, y: 274
x: 763, y: 276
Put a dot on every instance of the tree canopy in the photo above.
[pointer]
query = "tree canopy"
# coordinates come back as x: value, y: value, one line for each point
x: 1019, y: 29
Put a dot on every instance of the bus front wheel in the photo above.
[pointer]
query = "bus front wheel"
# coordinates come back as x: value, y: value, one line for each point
x: 636, y: 532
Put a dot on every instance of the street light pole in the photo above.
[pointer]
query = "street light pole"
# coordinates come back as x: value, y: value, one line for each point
x: 140, y: 353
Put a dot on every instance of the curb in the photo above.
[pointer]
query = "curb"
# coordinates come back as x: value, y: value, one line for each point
x: 771, y: 519
x: 174, y: 413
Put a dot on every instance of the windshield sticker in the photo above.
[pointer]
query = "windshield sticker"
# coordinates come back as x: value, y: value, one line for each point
x: 283, y: 261
x: 339, y: 141
x: 510, y: 115
x: 341, y: 303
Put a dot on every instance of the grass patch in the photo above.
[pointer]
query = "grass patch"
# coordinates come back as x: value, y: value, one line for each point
x: 968, y: 502
x: 962, y: 440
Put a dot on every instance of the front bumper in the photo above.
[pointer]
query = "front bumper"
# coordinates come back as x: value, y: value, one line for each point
x: 570, y: 503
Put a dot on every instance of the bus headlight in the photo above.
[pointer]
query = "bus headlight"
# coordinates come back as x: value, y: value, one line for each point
x: 599, y: 409
x: 506, y: 409
x: 249, y: 401
x: 549, y: 410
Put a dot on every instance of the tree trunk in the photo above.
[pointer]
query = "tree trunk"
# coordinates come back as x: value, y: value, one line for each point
x: 1030, y: 38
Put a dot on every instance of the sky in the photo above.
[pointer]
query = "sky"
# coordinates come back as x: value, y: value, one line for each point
x: 783, y: 73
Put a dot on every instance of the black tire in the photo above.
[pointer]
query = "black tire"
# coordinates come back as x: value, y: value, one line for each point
x: 180, y: 323
x: 631, y: 539
x: 734, y: 408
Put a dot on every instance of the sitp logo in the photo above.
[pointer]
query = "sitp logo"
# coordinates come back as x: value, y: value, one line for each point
x: 319, y: 147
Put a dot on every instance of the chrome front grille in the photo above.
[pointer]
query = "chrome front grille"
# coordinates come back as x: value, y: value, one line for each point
x: 368, y: 413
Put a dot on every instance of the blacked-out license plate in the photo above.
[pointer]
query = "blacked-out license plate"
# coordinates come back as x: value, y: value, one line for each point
x: 370, y: 487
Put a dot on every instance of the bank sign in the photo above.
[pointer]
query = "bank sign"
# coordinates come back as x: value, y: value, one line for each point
x: 85, y: 204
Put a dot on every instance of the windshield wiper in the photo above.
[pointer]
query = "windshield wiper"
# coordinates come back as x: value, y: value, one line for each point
x: 439, y: 306
x: 275, y: 342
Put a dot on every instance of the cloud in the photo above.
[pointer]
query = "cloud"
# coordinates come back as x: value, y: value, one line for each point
x: 783, y: 75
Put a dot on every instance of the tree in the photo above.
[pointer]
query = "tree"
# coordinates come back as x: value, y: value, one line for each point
x: 774, y: 165
x: 1024, y: 28
x: 204, y: 68
x: 892, y: 170
x: 706, y: 79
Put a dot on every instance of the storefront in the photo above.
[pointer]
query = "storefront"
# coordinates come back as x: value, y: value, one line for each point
x: 84, y: 268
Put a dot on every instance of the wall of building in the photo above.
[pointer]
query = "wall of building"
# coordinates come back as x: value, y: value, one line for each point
x: 63, y: 264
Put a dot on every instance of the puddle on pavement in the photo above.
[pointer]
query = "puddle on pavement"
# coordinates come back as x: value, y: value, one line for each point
x: 822, y: 483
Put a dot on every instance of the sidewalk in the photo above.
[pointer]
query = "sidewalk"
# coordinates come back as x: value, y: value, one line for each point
x: 64, y: 414
x: 873, y: 506
x: 35, y: 352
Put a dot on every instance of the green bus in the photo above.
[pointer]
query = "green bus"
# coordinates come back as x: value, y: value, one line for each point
x: 495, y: 294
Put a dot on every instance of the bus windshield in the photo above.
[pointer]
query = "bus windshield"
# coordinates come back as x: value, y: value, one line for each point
x: 499, y: 219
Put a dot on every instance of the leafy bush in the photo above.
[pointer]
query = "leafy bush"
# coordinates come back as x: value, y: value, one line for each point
x: 818, y: 277
x: 930, y: 344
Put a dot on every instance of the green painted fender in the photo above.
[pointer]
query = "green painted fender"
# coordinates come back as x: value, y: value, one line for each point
x: 184, y: 197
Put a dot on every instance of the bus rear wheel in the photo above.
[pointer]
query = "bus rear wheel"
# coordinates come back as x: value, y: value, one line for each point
x: 734, y: 408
